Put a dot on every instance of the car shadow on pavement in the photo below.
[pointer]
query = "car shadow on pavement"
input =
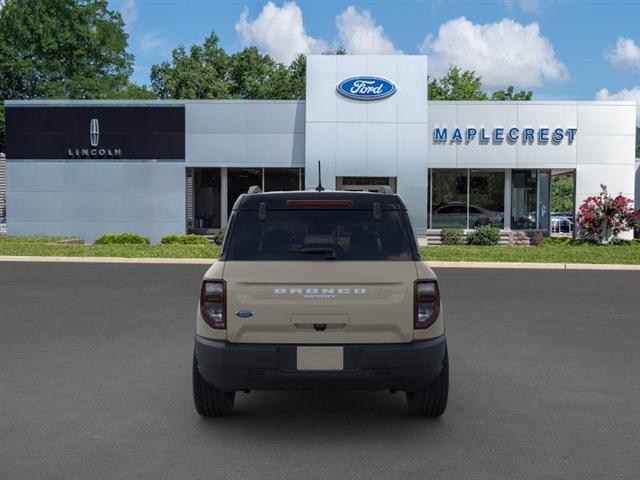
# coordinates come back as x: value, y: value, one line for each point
x: 321, y: 416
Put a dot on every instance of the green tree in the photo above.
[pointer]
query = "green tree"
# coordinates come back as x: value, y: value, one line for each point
x: 457, y: 85
x: 562, y: 193
x: 61, y: 49
x: 256, y: 76
x: 337, y: 51
x: 199, y: 74
x: 208, y: 72
x: 134, y: 91
x: 510, y: 95
x: 298, y: 74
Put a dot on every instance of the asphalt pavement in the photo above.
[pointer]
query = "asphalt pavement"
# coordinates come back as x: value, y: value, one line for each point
x: 95, y: 382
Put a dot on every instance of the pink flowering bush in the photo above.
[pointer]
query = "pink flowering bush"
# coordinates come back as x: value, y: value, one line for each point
x: 604, y: 217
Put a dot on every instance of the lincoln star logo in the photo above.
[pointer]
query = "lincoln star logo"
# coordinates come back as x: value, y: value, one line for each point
x: 366, y: 88
x: 94, y: 132
x: 94, y: 141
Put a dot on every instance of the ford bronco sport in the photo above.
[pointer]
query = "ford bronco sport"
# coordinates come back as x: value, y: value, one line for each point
x: 320, y: 290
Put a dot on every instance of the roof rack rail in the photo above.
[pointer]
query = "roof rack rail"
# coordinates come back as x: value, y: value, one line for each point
x: 386, y: 189
x: 254, y: 189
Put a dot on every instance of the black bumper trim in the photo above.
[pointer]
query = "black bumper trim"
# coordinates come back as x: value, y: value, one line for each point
x: 392, y: 366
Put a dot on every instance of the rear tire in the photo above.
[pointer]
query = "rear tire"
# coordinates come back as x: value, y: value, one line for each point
x: 209, y: 401
x: 432, y: 401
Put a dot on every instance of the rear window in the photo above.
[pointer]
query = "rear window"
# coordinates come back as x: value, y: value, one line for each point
x: 319, y: 235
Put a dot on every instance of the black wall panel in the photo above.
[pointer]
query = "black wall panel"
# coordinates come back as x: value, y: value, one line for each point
x: 128, y: 132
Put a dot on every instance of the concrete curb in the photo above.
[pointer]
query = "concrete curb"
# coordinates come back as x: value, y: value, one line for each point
x: 209, y: 261
x: 203, y: 261
x: 535, y: 266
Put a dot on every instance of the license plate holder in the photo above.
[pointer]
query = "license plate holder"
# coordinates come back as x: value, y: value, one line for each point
x: 320, y: 358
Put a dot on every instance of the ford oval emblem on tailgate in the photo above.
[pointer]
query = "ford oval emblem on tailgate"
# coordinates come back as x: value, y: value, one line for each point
x: 366, y: 88
x: 244, y: 314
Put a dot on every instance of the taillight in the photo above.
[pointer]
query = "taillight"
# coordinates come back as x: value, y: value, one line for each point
x: 426, y: 303
x: 213, y: 303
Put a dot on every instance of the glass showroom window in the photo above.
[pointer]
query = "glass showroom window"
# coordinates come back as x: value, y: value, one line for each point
x: 465, y: 198
x: 449, y: 198
x: 524, y: 194
x: 239, y: 180
x: 268, y: 179
x: 206, y: 199
x: 486, y: 198
x: 530, y: 199
x: 282, y: 179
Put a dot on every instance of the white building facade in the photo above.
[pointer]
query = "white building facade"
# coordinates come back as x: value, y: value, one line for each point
x: 157, y: 167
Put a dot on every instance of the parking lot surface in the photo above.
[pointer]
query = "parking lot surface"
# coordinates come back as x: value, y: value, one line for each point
x: 95, y: 365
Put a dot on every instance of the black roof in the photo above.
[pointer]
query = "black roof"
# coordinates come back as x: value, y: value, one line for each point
x: 278, y: 200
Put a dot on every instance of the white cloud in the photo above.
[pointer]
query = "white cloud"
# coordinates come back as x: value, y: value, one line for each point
x: 129, y: 12
x: 151, y: 41
x: 632, y: 94
x: 504, y: 53
x: 626, y: 53
x: 360, y: 34
x: 278, y: 31
x: 528, y: 6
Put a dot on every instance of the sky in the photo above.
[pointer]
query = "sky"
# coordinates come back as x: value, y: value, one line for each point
x: 561, y: 50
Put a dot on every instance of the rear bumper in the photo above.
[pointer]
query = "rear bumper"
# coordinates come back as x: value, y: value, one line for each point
x: 400, y: 366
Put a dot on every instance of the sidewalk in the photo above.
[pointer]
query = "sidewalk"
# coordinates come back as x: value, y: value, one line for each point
x: 209, y: 261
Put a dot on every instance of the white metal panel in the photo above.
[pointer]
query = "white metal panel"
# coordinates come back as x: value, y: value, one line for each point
x: 411, y: 94
x: 487, y: 115
x: 36, y: 176
x: 347, y: 109
x: 321, y: 83
x: 554, y: 115
x: 385, y: 110
x: 562, y: 155
x: 218, y: 117
x: 320, y: 146
x: 617, y: 178
x: 382, y: 150
x: 351, y: 149
x: 273, y: 149
x: 214, y: 148
x: 412, y: 152
x: 595, y: 118
x: 606, y: 149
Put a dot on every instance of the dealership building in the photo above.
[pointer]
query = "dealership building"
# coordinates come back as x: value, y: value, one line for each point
x: 84, y: 168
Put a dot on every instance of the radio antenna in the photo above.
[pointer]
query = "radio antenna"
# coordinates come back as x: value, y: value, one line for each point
x: 319, y: 188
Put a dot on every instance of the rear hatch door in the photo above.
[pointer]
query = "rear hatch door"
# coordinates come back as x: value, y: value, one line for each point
x: 320, y: 302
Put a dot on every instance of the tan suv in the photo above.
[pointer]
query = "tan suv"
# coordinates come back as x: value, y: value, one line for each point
x: 320, y: 290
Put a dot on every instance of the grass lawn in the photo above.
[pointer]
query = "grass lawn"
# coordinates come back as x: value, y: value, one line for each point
x: 549, y: 253
x: 585, y: 253
x: 48, y: 247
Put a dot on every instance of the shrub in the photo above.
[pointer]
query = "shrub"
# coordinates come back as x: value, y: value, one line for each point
x: 190, y: 239
x: 122, y: 239
x: 557, y: 241
x: 451, y: 236
x: 603, y: 217
x: 71, y: 241
x: 518, y: 238
x: 218, y: 237
x: 537, y: 239
x: 485, y: 235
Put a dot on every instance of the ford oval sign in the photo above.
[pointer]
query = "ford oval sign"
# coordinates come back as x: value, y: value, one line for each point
x: 366, y: 88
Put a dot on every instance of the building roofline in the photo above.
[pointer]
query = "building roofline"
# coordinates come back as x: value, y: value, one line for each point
x: 151, y: 103
x: 534, y: 102
x: 160, y: 103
